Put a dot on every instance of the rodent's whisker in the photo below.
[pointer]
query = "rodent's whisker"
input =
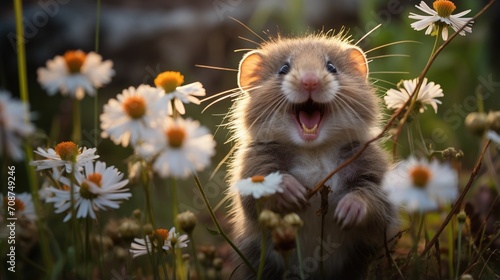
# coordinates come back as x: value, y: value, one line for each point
x: 368, y: 33
x: 243, y: 50
x: 248, y: 40
x: 232, y: 91
x: 248, y: 28
x: 391, y: 72
x: 375, y: 80
x: 216, y: 67
x: 387, y: 55
x: 390, y: 44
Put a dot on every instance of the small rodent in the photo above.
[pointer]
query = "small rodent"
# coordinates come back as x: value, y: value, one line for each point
x: 306, y: 106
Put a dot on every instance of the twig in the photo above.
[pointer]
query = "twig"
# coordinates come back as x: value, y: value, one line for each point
x: 458, y: 203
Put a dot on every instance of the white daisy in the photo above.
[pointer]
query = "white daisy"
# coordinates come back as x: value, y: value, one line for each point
x: 175, y: 240
x: 133, y: 115
x: 185, y: 147
x: 426, y: 95
x: 97, y: 188
x: 420, y: 185
x: 14, y: 126
x: 169, y: 82
x: 440, y: 17
x: 75, y: 73
x: 143, y: 246
x: 259, y: 186
x: 20, y: 205
x: 65, y: 154
x: 493, y: 136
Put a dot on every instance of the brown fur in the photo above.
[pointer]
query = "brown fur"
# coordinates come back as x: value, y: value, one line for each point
x: 268, y: 140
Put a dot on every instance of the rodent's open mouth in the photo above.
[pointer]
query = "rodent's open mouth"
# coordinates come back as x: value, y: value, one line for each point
x: 308, y: 116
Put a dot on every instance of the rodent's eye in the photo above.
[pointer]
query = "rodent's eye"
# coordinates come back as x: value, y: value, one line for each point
x: 331, y: 68
x: 284, y: 69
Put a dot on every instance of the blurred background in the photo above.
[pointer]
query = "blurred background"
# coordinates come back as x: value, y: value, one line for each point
x: 144, y: 38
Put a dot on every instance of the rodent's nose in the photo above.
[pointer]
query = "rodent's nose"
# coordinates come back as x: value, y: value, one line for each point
x: 310, y: 81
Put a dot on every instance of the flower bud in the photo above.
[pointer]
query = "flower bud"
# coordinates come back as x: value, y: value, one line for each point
x: 476, y: 123
x: 187, y: 221
x: 147, y: 229
x: 493, y: 120
x: 269, y: 219
x: 217, y: 264
x: 452, y: 153
x: 466, y: 277
x: 461, y: 217
x: 293, y: 220
x: 137, y: 214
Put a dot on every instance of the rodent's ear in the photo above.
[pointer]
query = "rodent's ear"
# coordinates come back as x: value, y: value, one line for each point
x: 249, y: 67
x: 359, y: 59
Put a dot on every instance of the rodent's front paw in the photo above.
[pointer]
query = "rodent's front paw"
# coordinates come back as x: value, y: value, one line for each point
x: 351, y: 211
x: 293, y: 197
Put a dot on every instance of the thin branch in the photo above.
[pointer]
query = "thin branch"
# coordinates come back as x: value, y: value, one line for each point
x: 458, y: 203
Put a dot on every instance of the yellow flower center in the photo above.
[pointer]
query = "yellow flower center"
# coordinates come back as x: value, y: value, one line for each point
x: 18, y: 204
x: 67, y: 151
x: 85, y: 187
x: 162, y: 233
x: 169, y: 80
x: 95, y: 178
x: 175, y: 136
x: 258, y: 179
x: 420, y: 176
x: 444, y: 8
x: 74, y: 60
x: 134, y: 106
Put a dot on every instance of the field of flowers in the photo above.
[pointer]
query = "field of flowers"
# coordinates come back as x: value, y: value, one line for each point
x: 116, y: 205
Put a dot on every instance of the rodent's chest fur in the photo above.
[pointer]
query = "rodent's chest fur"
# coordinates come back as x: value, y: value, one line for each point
x: 312, y: 165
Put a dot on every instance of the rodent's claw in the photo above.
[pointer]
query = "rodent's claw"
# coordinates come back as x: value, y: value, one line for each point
x: 351, y: 211
x: 293, y: 197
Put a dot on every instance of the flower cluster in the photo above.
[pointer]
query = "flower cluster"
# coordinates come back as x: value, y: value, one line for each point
x: 140, y: 116
x: 79, y: 184
x: 161, y: 239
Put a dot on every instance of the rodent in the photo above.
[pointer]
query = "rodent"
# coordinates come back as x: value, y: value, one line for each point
x: 306, y: 105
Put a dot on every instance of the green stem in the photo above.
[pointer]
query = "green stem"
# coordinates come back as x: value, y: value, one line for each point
x: 175, y: 203
x: 146, y: 184
x: 97, y: 25
x: 174, y: 272
x: 21, y: 53
x: 435, y: 42
x: 77, y: 125
x: 33, y: 182
x: 219, y: 228
x: 197, y: 267
x: 299, y: 257
x: 263, y: 252
x: 421, y: 136
x: 96, y: 105
x: 450, y: 248
x: 87, y: 259
x: 459, y: 249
